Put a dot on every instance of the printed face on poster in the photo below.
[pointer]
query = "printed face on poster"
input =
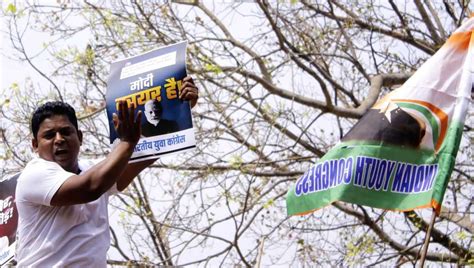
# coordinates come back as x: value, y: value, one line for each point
x: 153, y: 81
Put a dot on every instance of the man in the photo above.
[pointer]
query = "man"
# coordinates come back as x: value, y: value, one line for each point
x: 155, y: 125
x: 61, y: 201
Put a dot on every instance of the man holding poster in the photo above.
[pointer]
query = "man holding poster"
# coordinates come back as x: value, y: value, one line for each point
x: 61, y: 200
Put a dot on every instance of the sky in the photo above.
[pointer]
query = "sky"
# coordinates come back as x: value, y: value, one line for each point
x: 13, y: 71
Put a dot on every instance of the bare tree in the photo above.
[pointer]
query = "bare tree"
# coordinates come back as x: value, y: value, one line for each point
x: 280, y: 83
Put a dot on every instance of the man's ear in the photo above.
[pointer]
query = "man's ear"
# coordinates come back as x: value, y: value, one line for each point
x: 79, y: 135
x: 34, y: 144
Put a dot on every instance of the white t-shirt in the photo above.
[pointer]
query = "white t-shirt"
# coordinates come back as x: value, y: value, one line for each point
x: 73, y: 236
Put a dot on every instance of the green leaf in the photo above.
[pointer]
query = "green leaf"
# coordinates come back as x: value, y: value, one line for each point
x: 5, y: 103
x: 236, y: 161
x: 213, y: 68
x: 11, y: 8
x: 268, y: 204
x: 462, y: 235
x: 14, y: 86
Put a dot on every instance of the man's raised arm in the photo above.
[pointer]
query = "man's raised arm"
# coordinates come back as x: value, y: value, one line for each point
x: 94, y: 182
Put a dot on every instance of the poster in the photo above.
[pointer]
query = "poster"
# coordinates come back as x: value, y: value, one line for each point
x: 8, y: 219
x: 152, y: 81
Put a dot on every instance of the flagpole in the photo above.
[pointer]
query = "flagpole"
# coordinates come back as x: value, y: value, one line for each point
x: 427, y: 240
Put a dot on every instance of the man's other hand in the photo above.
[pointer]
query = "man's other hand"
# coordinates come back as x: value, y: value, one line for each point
x: 189, y: 91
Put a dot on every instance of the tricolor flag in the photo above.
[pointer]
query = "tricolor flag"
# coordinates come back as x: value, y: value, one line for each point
x: 401, y: 153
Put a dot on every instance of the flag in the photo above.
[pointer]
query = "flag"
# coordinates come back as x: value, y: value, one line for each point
x: 401, y: 153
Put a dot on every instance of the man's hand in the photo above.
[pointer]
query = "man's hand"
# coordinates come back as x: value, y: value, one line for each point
x: 189, y: 91
x: 126, y: 124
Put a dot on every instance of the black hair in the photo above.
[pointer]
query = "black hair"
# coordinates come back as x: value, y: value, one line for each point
x: 157, y: 105
x: 50, y: 109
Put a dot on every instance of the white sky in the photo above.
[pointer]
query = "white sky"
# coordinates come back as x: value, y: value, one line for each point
x: 13, y: 71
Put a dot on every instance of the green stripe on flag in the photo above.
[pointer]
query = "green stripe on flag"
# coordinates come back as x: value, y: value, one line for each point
x: 367, y: 173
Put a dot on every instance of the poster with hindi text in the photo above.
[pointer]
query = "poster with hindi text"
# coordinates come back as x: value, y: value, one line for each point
x: 8, y: 219
x: 152, y: 81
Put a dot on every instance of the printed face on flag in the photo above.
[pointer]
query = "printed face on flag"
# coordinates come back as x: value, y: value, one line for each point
x: 402, y: 122
x: 400, y: 154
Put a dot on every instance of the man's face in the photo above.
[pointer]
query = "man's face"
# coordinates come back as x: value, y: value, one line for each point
x: 59, y: 141
x: 153, y: 112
